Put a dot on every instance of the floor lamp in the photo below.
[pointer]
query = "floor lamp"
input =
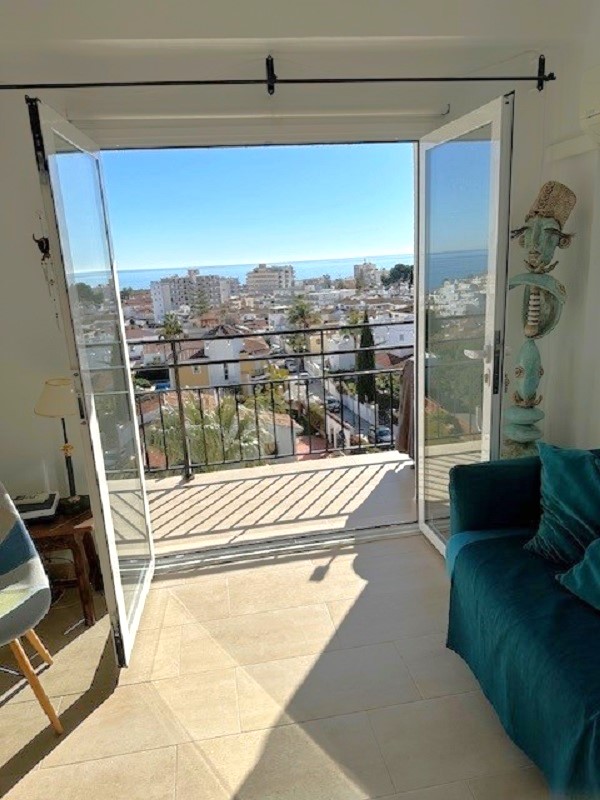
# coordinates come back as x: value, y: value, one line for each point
x: 58, y: 400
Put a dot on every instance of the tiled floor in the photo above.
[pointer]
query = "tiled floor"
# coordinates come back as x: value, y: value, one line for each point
x: 306, y: 678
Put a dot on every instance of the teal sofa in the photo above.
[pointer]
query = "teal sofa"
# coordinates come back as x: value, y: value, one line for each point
x: 533, y: 646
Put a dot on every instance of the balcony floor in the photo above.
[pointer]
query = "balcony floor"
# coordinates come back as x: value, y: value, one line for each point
x: 315, y: 677
x: 282, y: 499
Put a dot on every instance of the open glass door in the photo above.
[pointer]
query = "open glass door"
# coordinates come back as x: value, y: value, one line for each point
x: 464, y: 188
x: 81, y: 254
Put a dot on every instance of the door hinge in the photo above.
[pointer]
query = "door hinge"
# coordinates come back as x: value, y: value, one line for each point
x: 497, y: 361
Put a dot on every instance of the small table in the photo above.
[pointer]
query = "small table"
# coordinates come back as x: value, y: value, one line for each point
x: 74, y: 533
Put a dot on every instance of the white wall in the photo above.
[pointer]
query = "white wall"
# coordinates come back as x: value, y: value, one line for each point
x: 31, y: 343
x: 571, y: 353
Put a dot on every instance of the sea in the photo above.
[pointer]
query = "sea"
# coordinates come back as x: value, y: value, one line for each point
x: 453, y: 265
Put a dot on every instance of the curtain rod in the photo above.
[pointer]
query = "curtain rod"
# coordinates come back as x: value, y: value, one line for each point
x: 271, y: 80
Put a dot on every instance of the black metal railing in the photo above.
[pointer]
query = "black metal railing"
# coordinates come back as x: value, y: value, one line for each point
x: 206, y: 417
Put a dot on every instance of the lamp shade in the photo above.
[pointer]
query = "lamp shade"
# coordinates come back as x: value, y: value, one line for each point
x: 57, y: 399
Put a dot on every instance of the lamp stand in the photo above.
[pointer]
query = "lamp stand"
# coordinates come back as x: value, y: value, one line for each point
x: 67, y: 450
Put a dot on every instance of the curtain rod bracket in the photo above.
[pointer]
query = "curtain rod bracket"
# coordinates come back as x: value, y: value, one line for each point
x: 541, y: 74
x: 271, y: 76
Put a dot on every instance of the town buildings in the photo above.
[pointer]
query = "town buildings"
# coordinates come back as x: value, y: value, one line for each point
x: 193, y: 290
x: 264, y: 280
x: 367, y: 275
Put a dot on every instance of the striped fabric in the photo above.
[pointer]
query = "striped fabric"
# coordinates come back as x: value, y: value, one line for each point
x: 24, y: 588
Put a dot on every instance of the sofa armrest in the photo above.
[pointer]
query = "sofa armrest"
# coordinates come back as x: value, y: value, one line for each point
x: 497, y: 494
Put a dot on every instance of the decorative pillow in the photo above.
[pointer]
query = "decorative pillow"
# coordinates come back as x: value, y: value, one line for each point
x: 584, y: 578
x: 570, y: 493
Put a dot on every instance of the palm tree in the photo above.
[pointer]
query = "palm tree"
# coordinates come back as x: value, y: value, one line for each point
x: 171, y: 326
x: 302, y: 314
x: 227, y: 432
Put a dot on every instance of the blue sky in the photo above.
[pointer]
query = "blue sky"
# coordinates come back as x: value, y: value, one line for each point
x: 181, y: 207
x: 193, y: 207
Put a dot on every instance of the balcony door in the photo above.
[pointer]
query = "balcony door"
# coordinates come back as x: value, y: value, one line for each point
x: 88, y: 293
x: 464, y: 185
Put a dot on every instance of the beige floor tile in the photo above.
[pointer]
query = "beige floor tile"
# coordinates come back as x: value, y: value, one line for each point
x: 205, y: 704
x: 155, y: 656
x: 436, y: 670
x: 200, y: 652
x: 78, y: 662
x: 524, y: 784
x: 197, y: 779
x: 333, y: 759
x: 198, y: 601
x: 374, y: 617
x: 449, y: 791
x: 139, y: 776
x: 272, y: 635
x: 313, y: 687
x: 337, y: 576
x: 443, y: 740
x: 24, y: 726
x: 154, y: 609
x: 133, y: 718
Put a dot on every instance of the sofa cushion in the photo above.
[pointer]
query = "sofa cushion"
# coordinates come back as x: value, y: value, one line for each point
x: 535, y: 650
x: 584, y: 578
x: 459, y: 540
x: 570, y: 489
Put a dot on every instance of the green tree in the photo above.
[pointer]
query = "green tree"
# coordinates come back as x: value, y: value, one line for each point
x: 327, y: 281
x: 226, y: 433
x: 200, y: 304
x: 302, y: 314
x: 171, y: 326
x: 365, y: 360
x: 354, y: 317
x: 399, y: 273
x: 339, y: 283
x: 126, y: 293
x: 87, y: 294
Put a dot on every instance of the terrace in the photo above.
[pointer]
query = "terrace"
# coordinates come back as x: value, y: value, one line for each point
x: 260, y: 436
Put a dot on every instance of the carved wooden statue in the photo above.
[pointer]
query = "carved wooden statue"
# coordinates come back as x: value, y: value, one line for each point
x: 542, y: 305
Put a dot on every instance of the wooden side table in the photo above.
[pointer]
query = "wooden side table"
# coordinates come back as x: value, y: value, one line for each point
x: 72, y: 533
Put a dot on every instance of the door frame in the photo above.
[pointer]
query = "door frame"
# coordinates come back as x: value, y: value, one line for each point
x: 44, y: 122
x: 498, y: 113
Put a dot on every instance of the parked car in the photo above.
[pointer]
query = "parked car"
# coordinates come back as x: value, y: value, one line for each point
x: 332, y: 404
x: 162, y: 385
x: 380, y: 435
x: 291, y: 365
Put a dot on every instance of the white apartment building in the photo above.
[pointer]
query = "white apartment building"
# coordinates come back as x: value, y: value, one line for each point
x: 169, y: 294
x: 264, y: 280
x: 367, y: 275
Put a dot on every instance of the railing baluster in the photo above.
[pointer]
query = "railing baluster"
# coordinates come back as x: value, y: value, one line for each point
x: 323, y: 387
x: 201, y: 410
x: 392, y: 406
x: 162, y: 425
x: 142, y: 427
x: 239, y: 424
x: 257, y: 421
x: 310, y: 448
x: 274, y: 421
x: 203, y: 426
x: 219, y: 414
x: 184, y: 438
x: 292, y: 433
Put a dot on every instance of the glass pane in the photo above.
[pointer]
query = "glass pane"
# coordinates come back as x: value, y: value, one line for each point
x: 93, y: 298
x: 456, y: 277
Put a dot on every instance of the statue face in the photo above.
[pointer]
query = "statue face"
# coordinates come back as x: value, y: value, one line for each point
x: 540, y: 236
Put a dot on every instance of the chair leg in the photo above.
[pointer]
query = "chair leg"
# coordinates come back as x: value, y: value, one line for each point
x: 28, y: 671
x: 38, y: 646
